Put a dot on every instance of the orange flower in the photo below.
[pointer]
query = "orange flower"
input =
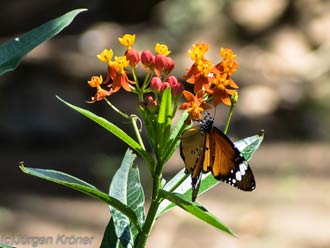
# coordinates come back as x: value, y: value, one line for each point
x: 96, y: 82
x: 227, y: 65
x: 199, y: 74
x: 222, y: 88
x: 194, y: 105
x: 119, y: 79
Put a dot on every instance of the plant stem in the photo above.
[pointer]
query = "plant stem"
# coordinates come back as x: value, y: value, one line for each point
x: 134, y: 119
x: 229, y: 118
x: 126, y: 116
x: 155, y: 202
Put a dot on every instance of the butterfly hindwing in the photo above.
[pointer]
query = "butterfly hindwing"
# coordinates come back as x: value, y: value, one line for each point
x: 229, y: 164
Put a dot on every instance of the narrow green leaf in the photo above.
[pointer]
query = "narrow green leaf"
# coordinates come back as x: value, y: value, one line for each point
x: 82, y: 186
x: 115, y: 131
x: 12, y: 51
x: 247, y: 146
x: 195, y: 209
x: 163, y: 122
x: 165, y: 108
x: 174, y: 139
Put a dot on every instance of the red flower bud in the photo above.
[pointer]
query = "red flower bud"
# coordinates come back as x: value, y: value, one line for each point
x: 147, y: 59
x: 176, y: 87
x: 165, y: 85
x: 172, y: 80
x: 160, y: 62
x: 156, y: 84
x: 150, y: 104
x: 169, y: 65
x: 133, y: 56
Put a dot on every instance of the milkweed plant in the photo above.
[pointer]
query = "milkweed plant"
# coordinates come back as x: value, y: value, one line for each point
x: 165, y: 111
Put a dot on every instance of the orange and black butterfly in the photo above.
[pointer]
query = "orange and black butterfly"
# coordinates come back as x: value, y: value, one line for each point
x: 205, y: 148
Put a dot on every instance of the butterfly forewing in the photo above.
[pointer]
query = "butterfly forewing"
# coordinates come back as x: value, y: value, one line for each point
x: 208, y: 151
x: 192, y: 147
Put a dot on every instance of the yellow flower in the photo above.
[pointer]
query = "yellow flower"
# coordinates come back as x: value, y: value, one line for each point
x: 227, y: 54
x: 198, y: 50
x: 95, y: 81
x: 120, y: 63
x: 162, y: 49
x: 205, y: 67
x: 127, y: 40
x: 105, y: 55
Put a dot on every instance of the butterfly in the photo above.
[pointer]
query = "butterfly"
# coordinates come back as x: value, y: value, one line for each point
x: 205, y: 148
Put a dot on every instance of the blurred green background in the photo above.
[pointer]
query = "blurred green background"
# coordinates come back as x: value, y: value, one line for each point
x: 283, y: 50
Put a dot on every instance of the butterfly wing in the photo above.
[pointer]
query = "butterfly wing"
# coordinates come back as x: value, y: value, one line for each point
x: 192, y: 151
x: 229, y: 165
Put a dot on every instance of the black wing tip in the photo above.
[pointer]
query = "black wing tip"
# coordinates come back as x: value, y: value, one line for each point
x: 261, y: 132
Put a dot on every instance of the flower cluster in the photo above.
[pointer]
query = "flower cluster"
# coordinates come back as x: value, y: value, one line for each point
x: 211, y: 82
x: 158, y: 68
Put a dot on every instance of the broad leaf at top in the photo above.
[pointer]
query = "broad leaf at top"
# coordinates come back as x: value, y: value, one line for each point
x: 14, y: 50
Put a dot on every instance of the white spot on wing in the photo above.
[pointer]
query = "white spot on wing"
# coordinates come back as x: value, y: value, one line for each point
x: 238, y: 176
x: 242, y: 168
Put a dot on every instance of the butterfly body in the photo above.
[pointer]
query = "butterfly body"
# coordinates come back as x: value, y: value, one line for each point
x: 204, y: 148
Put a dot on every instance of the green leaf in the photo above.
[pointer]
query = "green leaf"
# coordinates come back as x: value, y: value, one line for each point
x: 82, y: 186
x: 118, y: 190
x: 174, y: 139
x: 110, y: 239
x: 115, y: 131
x: 165, y: 108
x: 195, y: 209
x: 126, y: 188
x: 163, y: 122
x: 12, y: 51
x: 135, y: 198
x: 247, y: 146
x: 5, y: 246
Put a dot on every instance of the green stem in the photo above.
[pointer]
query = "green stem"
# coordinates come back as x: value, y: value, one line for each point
x: 126, y: 116
x: 152, y: 213
x: 135, y: 78
x: 134, y: 119
x: 229, y: 118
